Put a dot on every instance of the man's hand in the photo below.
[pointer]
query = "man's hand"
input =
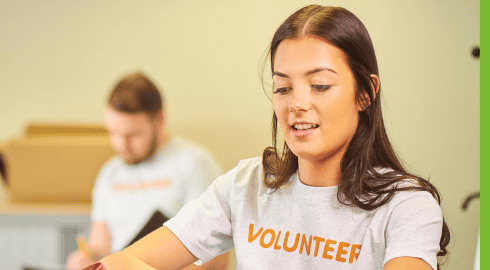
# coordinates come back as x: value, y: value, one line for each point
x: 77, y: 260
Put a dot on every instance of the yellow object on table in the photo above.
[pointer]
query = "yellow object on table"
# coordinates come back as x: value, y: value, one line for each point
x: 83, y: 246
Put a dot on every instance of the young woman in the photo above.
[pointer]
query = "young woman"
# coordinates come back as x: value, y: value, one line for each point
x: 335, y: 197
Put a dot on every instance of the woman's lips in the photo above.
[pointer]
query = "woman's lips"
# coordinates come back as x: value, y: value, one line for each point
x: 303, y: 132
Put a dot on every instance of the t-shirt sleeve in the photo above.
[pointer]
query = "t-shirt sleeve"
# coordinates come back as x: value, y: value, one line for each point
x: 99, y: 192
x: 414, y: 228
x: 203, y: 173
x: 204, y: 225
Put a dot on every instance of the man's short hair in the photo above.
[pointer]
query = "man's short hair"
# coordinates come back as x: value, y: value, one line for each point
x: 136, y: 93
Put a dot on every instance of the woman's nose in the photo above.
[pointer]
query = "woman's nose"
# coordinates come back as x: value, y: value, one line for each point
x: 300, y: 100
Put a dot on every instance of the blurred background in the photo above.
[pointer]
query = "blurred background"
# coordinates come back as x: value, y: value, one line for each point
x: 59, y: 60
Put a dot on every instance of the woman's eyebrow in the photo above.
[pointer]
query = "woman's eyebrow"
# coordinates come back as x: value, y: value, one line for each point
x: 318, y: 70
x: 275, y: 73
x: 309, y: 72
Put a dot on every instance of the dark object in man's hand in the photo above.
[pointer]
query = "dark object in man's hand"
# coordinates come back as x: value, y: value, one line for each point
x: 156, y: 221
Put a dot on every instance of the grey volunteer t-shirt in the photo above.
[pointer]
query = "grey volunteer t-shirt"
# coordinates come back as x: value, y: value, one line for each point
x: 304, y: 227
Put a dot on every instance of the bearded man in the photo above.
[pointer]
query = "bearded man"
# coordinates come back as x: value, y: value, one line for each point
x: 152, y: 176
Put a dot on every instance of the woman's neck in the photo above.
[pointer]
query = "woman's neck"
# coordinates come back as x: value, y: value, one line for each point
x: 319, y: 173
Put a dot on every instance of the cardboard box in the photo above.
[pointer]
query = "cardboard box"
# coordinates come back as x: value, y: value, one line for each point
x: 55, y: 162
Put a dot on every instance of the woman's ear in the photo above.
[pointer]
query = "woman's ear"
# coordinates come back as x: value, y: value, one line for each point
x: 365, y: 100
x: 375, y: 84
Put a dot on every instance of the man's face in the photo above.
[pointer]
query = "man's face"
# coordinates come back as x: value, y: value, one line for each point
x: 134, y: 136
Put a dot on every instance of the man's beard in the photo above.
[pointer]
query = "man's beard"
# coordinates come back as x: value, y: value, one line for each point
x: 151, y: 151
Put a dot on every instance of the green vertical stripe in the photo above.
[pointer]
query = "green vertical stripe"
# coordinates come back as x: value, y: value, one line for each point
x: 484, y: 133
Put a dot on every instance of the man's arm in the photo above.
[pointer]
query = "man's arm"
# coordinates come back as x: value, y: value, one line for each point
x: 99, y: 240
x: 100, y: 246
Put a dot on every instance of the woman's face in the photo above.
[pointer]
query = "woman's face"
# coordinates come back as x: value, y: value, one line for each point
x: 314, y: 98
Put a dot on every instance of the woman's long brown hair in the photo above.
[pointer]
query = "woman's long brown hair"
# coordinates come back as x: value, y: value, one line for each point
x: 360, y: 183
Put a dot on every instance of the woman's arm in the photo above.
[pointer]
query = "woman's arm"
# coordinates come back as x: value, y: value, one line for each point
x: 160, y: 249
x: 218, y: 263
x: 413, y: 232
x: 407, y: 263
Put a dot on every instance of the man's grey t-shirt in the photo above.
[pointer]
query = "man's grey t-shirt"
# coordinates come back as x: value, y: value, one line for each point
x: 126, y: 196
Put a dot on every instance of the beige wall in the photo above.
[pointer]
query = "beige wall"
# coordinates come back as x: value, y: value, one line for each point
x: 58, y: 59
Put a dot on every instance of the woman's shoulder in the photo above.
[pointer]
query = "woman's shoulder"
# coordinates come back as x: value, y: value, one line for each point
x: 414, y: 196
x: 397, y: 179
x: 254, y: 163
x: 249, y: 170
x: 245, y: 178
x: 406, y: 189
x: 248, y: 173
x: 410, y: 196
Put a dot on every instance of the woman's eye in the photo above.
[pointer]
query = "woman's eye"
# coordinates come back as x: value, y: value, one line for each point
x: 282, y: 90
x: 321, y: 87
